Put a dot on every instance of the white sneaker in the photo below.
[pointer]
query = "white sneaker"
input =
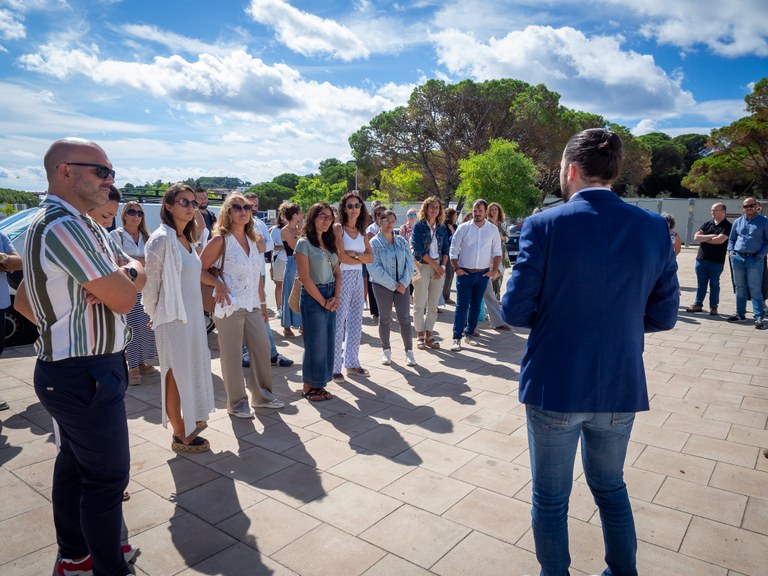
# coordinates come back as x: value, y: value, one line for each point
x: 386, y: 358
x: 456, y: 347
x: 271, y: 401
x: 279, y: 313
x: 409, y: 359
x: 469, y: 340
x: 241, y: 410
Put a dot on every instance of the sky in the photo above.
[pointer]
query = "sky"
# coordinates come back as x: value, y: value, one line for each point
x: 174, y: 89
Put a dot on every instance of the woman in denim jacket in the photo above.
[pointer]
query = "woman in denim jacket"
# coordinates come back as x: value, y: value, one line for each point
x: 391, y: 273
x: 429, y: 242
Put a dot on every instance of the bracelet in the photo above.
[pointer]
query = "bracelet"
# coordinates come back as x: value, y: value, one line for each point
x: 325, y: 304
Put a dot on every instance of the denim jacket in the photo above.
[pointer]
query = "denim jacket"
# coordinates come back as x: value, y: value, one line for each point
x: 421, y: 237
x: 392, y: 263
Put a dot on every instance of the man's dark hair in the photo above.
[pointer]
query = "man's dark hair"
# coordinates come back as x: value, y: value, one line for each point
x: 114, y: 194
x: 201, y: 190
x: 598, y: 152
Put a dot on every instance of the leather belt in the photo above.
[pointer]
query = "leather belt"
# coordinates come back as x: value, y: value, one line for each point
x: 747, y: 254
x: 476, y: 270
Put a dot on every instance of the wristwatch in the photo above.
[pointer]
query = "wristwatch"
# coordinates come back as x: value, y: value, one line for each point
x: 132, y: 274
x: 3, y: 257
x: 357, y: 255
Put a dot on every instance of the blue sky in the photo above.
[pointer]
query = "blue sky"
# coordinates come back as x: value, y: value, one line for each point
x: 253, y: 88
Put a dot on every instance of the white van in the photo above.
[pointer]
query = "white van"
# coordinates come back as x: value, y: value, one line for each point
x: 18, y: 330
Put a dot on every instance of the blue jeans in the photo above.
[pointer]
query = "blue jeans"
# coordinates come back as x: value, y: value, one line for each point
x: 85, y: 396
x: 708, y: 273
x: 748, y: 275
x: 552, y: 441
x: 470, y: 288
x: 319, y: 334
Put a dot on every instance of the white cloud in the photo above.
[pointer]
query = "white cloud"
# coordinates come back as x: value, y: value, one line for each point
x: 732, y: 28
x: 306, y: 33
x: 11, y: 26
x: 592, y: 74
x: 645, y: 126
x: 176, y: 42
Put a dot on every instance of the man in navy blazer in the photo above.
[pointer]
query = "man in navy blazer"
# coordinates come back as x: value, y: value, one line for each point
x: 592, y: 276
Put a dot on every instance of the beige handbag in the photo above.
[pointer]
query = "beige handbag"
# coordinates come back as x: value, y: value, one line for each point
x: 294, y: 299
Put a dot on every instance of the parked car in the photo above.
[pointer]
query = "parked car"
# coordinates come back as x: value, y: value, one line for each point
x: 513, y: 241
x: 18, y: 330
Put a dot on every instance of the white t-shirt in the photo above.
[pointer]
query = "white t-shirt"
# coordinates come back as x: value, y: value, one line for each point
x: 277, y: 238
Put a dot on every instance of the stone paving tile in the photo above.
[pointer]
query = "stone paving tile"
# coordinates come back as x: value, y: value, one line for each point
x: 237, y: 560
x: 218, y: 499
x: 726, y: 546
x: 740, y: 480
x: 493, y: 514
x: 428, y: 490
x: 371, y: 470
x: 391, y: 564
x: 676, y: 465
x: 482, y: 555
x: 25, y: 533
x: 712, y: 503
x: 697, y: 425
x: 724, y: 451
x: 756, y: 515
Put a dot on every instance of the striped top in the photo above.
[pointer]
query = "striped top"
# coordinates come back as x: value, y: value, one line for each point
x: 63, y: 250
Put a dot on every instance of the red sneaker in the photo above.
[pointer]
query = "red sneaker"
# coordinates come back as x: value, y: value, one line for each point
x: 65, y: 567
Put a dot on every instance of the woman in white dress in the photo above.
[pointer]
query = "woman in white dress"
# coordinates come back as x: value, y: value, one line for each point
x: 241, y: 307
x: 131, y: 238
x: 174, y: 303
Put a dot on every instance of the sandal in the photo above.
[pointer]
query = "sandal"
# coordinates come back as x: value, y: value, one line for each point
x: 200, y: 425
x: 317, y: 395
x: 134, y: 376
x: 126, y: 496
x: 288, y: 333
x: 430, y: 341
x: 359, y: 371
x: 338, y: 377
x: 197, y: 445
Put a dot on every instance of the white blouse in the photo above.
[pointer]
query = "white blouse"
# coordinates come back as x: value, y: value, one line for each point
x: 242, y: 274
x: 125, y: 241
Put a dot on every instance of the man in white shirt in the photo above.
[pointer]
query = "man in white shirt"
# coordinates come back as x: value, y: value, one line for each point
x: 261, y: 229
x: 475, y: 256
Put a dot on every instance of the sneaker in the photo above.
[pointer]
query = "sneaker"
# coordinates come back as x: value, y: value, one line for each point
x: 737, y: 317
x: 759, y: 324
x: 271, y: 401
x: 246, y: 360
x: 694, y: 308
x: 282, y: 361
x: 386, y: 358
x: 409, y: 359
x: 241, y: 410
x: 470, y: 340
x: 456, y: 346
x: 66, y: 567
x: 279, y: 313
x: 713, y: 311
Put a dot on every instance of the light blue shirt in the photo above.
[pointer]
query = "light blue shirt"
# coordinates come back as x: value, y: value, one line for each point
x: 749, y: 235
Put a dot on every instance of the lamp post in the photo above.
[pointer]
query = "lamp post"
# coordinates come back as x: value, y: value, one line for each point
x: 355, y: 163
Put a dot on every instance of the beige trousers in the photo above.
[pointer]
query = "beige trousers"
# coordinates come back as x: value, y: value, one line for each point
x: 248, y: 327
x: 426, y: 295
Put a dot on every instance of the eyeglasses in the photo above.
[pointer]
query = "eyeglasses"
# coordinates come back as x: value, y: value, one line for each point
x: 241, y: 207
x: 134, y: 212
x: 411, y: 215
x: 325, y: 216
x: 749, y: 205
x: 184, y: 203
x: 101, y: 170
x: 354, y: 206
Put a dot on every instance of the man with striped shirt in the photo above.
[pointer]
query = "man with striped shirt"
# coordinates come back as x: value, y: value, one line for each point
x: 79, y: 289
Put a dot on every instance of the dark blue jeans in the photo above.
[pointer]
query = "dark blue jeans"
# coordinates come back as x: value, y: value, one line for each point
x: 319, y: 336
x: 470, y: 288
x: 552, y: 441
x: 85, y: 396
x: 748, y: 277
x: 708, y: 273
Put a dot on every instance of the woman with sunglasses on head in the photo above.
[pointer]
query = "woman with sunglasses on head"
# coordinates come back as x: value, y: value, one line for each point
x: 173, y: 301
x: 131, y: 237
x: 429, y: 243
x: 354, y: 251
x: 391, y: 274
x: 292, y: 219
x: 241, y: 307
x: 317, y: 264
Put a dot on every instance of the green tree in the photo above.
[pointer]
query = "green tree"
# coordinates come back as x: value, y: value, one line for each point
x: 270, y: 195
x: 400, y: 184
x: 8, y: 196
x: 667, y: 166
x: 719, y: 175
x: 311, y: 189
x: 636, y: 162
x: 287, y: 179
x: 502, y: 174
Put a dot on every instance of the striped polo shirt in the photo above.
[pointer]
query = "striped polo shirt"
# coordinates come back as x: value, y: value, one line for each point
x: 62, y: 251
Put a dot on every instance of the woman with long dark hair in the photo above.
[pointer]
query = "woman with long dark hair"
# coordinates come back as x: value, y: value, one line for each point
x: 173, y: 301
x: 317, y: 264
x: 354, y: 251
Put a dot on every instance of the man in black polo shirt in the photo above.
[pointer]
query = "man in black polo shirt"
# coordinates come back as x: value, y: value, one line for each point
x: 713, y: 247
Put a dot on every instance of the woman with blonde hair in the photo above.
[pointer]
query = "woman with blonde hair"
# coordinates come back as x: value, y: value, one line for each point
x: 174, y: 304
x: 241, y: 307
x: 496, y: 217
x: 131, y: 237
x: 429, y: 242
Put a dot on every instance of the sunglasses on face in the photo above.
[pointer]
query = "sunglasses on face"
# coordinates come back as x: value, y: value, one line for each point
x: 411, y: 215
x: 241, y: 207
x: 134, y: 212
x: 354, y: 206
x: 749, y: 205
x: 101, y: 170
x: 184, y: 203
x: 325, y: 216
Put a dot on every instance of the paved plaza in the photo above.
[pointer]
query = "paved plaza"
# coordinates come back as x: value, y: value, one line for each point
x: 421, y: 470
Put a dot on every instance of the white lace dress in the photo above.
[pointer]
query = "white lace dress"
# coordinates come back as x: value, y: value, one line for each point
x: 182, y: 342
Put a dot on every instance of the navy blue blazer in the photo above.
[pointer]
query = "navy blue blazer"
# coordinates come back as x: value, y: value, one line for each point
x: 592, y: 276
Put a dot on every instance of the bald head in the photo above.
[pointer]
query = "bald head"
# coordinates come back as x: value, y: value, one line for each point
x: 65, y: 150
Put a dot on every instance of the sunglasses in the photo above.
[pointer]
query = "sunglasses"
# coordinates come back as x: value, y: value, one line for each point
x: 241, y: 207
x: 749, y: 205
x: 325, y: 216
x: 411, y: 215
x: 184, y: 203
x: 101, y: 170
x: 354, y: 206
x: 134, y: 212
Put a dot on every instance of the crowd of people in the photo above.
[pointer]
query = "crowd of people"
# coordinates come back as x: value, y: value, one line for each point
x: 107, y: 303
